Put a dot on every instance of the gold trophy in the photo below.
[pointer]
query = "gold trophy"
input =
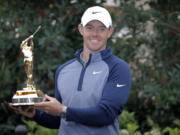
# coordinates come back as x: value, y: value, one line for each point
x: 29, y: 95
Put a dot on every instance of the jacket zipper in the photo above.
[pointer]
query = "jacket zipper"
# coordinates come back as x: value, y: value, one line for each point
x: 82, y: 74
x: 81, y: 78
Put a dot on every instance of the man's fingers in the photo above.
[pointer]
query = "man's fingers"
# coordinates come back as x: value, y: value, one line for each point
x: 28, y: 111
x: 41, y: 106
x: 25, y: 108
x: 48, y: 97
x: 13, y: 107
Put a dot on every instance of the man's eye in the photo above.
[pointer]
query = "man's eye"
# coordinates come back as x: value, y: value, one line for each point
x: 89, y: 28
x: 102, y: 29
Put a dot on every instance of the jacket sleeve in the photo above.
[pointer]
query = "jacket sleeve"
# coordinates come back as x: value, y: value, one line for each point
x: 114, y: 97
x: 47, y: 120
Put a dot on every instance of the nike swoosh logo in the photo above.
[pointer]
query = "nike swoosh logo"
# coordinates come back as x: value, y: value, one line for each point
x: 120, y: 85
x: 95, y: 12
x: 96, y: 72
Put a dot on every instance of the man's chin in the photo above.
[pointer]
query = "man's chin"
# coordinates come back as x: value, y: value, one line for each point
x: 96, y: 49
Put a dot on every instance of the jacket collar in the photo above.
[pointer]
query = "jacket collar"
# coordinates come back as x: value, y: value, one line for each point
x: 95, y: 57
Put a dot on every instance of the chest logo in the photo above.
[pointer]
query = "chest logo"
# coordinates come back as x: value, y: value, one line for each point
x: 120, y: 85
x: 96, y: 72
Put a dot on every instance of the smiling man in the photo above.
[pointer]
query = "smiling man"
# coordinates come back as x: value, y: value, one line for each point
x: 92, y: 88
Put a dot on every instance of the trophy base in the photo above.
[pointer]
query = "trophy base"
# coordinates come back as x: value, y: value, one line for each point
x: 27, y: 97
x: 26, y: 101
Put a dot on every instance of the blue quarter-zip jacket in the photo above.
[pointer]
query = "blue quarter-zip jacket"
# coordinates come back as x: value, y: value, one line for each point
x: 94, y: 93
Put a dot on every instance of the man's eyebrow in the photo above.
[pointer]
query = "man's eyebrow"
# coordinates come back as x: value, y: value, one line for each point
x: 88, y: 25
x: 102, y: 26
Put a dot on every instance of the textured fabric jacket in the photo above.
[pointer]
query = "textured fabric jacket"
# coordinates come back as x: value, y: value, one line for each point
x: 94, y: 93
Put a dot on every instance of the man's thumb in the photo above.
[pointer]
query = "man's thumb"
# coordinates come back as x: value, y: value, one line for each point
x: 48, y: 97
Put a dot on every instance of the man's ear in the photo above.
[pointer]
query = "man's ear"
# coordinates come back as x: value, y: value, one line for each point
x: 80, y: 28
x: 111, y: 30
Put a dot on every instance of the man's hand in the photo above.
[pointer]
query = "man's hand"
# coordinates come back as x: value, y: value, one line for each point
x: 27, y: 111
x: 51, y: 106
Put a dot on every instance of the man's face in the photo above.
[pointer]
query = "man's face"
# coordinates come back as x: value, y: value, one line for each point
x: 95, y: 35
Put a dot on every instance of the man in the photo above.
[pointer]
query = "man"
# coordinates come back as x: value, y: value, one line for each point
x: 92, y: 88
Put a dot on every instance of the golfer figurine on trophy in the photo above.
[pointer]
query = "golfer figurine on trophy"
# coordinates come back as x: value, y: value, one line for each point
x: 29, y: 95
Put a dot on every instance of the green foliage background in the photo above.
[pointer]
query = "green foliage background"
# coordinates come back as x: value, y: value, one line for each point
x: 150, y: 45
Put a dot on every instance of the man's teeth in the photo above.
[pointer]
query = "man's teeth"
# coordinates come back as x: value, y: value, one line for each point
x: 94, y: 41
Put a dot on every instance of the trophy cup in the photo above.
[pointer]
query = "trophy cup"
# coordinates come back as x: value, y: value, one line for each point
x: 29, y: 95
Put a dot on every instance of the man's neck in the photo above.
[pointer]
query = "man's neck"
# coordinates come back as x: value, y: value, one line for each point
x: 85, y: 55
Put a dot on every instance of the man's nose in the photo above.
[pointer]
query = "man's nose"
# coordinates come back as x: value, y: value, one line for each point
x: 95, y: 32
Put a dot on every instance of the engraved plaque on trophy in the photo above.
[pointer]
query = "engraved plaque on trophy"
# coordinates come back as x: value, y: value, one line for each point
x: 28, y: 95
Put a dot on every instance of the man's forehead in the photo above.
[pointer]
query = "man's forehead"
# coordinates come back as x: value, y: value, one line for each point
x: 95, y: 23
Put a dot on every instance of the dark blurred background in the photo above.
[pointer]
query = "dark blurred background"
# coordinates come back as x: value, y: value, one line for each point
x: 147, y: 36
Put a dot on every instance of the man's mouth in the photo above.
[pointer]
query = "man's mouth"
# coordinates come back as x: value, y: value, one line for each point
x: 94, y: 41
